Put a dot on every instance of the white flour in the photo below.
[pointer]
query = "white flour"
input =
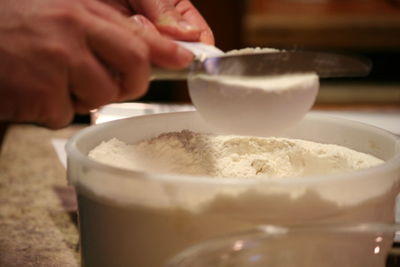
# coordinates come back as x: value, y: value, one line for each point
x: 272, y: 83
x: 192, y: 153
x: 251, y: 50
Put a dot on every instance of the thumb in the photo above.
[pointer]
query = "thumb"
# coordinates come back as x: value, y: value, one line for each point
x: 167, y: 19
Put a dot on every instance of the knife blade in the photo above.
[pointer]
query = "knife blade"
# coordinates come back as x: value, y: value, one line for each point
x: 325, y: 64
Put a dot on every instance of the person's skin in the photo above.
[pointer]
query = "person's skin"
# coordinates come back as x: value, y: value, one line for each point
x: 177, y: 18
x: 61, y: 57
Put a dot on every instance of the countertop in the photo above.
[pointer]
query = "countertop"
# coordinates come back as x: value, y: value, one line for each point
x: 37, y: 207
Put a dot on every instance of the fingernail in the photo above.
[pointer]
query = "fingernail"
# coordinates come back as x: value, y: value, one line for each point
x: 166, y: 21
x: 172, y: 22
x: 138, y: 20
x: 185, y: 26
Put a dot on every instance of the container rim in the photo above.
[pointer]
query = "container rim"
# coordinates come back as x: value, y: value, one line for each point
x: 73, y: 151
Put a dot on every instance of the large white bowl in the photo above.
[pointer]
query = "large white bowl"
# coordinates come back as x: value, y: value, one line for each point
x: 130, y: 218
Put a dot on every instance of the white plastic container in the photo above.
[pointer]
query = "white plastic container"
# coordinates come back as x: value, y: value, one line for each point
x: 130, y: 218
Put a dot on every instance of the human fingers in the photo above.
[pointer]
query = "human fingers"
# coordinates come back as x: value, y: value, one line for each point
x: 35, y: 94
x: 91, y: 84
x: 56, y: 68
x: 162, y: 48
x: 142, y: 21
x: 177, y: 18
x: 193, y: 16
x: 123, y: 52
x: 162, y: 51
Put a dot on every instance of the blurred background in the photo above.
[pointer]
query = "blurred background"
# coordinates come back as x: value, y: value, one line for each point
x: 367, y: 27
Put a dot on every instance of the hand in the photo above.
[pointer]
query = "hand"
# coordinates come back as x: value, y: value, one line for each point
x: 55, y: 57
x: 178, y: 19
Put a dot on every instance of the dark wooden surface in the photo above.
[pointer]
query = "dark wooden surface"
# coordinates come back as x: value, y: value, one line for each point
x: 372, y: 25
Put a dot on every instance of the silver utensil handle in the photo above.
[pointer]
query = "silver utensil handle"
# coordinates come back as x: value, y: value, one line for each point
x: 164, y: 74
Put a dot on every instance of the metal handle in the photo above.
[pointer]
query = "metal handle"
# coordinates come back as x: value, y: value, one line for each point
x: 164, y: 74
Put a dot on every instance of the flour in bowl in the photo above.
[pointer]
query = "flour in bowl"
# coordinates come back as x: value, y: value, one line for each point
x: 187, y: 152
x: 166, y: 214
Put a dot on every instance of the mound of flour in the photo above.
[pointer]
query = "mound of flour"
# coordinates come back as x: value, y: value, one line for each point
x: 251, y: 50
x: 193, y: 153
